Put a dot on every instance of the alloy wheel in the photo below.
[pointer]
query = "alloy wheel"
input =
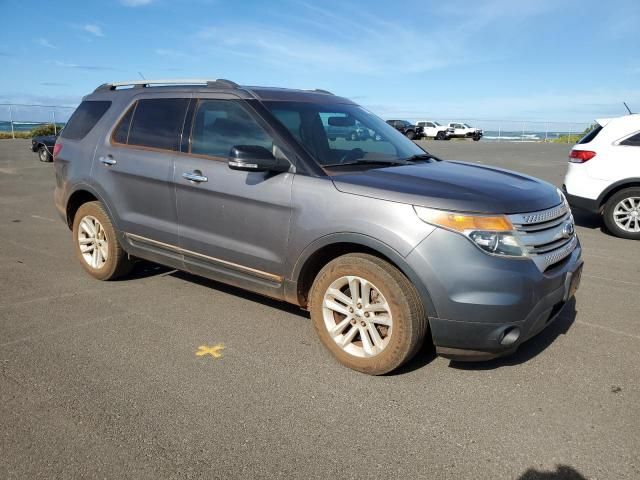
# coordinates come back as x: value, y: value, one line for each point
x: 357, y: 316
x: 626, y: 214
x: 93, y: 242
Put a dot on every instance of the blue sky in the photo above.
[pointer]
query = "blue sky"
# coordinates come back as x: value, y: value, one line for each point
x: 482, y: 59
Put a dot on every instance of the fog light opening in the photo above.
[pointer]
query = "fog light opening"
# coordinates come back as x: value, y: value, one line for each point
x: 509, y: 336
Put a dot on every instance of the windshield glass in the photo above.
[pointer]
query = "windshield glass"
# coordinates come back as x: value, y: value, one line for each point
x: 437, y: 124
x: 335, y: 134
x: 466, y: 125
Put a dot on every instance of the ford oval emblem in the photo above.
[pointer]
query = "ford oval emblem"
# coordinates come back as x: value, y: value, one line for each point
x: 568, y: 230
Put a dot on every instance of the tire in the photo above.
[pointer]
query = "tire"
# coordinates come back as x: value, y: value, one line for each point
x: 622, y: 205
x: 411, y: 134
x: 116, y: 263
x: 406, y: 320
x: 440, y: 135
x: 43, y: 154
x: 476, y: 138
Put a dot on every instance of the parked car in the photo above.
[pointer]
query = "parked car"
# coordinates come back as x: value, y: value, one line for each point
x: 431, y: 129
x: 464, y: 130
x: 408, y: 129
x: 603, y: 176
x: 43, y: 144
x: 386, y: 245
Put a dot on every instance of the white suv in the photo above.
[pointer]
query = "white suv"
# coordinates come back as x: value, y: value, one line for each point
x: 433, y: 129
x: 604, y: 174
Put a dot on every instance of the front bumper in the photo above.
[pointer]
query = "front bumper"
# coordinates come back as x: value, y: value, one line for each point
x: 486, y: 306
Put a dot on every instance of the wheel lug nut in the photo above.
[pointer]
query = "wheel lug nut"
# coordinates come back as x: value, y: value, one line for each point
x: 353, y: 322
x: 359, y: 305
x: 366, y: 314
x: 363, y: 323
x: 350, y: 309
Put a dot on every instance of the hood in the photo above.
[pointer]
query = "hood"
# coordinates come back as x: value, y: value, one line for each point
x: 451, y: 185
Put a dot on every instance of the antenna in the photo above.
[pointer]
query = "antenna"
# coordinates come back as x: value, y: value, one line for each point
x: 141, y: 75
x: 627, y: 107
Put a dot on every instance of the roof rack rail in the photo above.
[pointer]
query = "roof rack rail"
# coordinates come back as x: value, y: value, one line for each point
x: 319, y: 90
x: 215, y: 83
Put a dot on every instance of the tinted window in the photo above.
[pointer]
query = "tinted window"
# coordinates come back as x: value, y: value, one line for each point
x: 633, y: 141
x: 220, y: 125
x: 157, y: 123
x: 121, y: 133
x: 84, y: 119
x: 591, y: 135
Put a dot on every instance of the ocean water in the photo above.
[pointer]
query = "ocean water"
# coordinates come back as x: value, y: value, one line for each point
x: 22, y: 126
x: 527, y: 136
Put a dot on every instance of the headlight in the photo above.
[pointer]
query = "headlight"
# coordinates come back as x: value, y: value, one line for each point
x: 492, y: 233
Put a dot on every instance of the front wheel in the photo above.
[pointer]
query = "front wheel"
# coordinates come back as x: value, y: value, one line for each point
x: 367, y: 313
x: 477, y: 137
x: 96, y: 243
x: 43, y: 154
x: 622, y: 214
x: 411, y: 134
x: 440, y: 136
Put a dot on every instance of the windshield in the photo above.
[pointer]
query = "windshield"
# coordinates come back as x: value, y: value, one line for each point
x: 466, y: 125
x: 335, y: 134
x: 437, y: 124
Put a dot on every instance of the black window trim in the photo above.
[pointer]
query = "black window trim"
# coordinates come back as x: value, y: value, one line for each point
x: 629, y: 137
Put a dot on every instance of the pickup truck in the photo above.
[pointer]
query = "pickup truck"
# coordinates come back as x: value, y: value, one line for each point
x: 431, y: 129
x: 464, y: 130
x: 43, y: 144
x: 408, y: 129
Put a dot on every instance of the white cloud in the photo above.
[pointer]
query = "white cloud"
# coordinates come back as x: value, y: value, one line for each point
x: 80, y: 67
x: 43, y: 42
x: 93, y: 29
x: 135, y: 3
x: 169, y: 53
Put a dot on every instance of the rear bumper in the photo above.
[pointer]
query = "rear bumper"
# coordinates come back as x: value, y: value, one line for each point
x: 486, y: 306
x: 581, y: 203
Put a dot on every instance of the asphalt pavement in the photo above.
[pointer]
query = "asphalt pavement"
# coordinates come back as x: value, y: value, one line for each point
x: 103, y: 380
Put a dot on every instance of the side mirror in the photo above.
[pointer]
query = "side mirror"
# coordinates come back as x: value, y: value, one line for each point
x: 253, y: 158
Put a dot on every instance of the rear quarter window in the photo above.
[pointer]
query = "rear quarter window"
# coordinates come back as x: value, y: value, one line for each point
x: 85, y: 118
x: 632, y: 141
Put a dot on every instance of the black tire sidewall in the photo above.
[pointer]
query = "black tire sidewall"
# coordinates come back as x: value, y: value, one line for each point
x: 402, y: 344
x: 108, y: 270
x: 609, y: 222
x: 42, y: 151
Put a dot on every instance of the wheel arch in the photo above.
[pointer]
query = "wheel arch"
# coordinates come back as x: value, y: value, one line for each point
x: 327, y: 248
x: 614, y: 188
x: 79, y: 196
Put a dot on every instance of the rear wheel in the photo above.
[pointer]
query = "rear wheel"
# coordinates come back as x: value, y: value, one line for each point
x: 622, y: 214
x: 440, y: 135
x: 43, y: 154
x: 411, y: 134
x: 367, y: 313
x: 96, y: 243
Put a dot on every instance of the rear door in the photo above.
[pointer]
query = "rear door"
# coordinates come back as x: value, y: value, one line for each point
x: 234, y: 225
x: 134, y: 170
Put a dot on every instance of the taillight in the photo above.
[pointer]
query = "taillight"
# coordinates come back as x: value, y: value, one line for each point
x: 56, y: 149
x: 581, y: 156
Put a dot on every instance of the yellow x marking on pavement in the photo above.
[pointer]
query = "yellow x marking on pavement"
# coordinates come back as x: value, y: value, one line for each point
x: 214, y: 350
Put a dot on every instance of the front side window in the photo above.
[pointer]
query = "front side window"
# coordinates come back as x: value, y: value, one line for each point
x: 84, y: 119
x: 156, y: 123
x: 342, y: 133
x: 220, y: 125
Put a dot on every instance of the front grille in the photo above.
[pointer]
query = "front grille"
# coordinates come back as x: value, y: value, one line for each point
x: 548, y: 236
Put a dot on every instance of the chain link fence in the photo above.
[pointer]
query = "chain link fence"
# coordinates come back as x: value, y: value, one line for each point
x: 18, y: 120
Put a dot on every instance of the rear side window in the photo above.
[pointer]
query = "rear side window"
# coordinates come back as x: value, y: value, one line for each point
x: 157, y: 123
x: 84, y: 119
x: 591, y: 135
x: 632, y: 141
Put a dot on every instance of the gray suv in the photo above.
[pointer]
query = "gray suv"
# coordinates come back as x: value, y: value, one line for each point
x: 387, y: 246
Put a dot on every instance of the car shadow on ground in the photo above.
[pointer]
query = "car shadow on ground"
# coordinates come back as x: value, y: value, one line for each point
x: 562, y: 472
x: 531, y: 347
x: 587, y: 220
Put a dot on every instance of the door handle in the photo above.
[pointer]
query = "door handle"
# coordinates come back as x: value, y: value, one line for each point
x: 195, y: 176
x: 108, y: 160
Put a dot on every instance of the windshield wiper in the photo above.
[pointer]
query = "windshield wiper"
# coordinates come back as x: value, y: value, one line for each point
x: 418, y: 157
x: 362, y: 161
